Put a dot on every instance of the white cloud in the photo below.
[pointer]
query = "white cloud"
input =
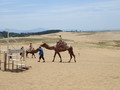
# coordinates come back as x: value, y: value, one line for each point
x: 6, y: 2
x: 99, y: 6
x: 6, y: 11
x: 93, y: 7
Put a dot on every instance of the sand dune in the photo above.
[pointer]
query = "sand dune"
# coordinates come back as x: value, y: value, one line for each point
x: 96, y: 68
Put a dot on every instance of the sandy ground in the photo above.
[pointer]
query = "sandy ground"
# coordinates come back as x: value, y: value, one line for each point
x: 95, y: 69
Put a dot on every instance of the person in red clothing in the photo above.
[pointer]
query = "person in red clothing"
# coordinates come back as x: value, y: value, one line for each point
x: 31, y: 47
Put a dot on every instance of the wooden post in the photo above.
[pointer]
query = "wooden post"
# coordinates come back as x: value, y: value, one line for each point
x: 7, y: 38
x: 0, y: 60
x: 8, y: 62
x: 0, y: 64
x: 12, y: 65
x: 0, y: 57
x: 5, y: 61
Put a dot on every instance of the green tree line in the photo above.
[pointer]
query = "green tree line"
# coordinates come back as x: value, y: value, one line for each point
x: 12, y: 34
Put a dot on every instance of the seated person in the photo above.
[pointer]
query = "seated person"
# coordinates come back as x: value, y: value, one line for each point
x: 60, y: 42
x: 30, y: 47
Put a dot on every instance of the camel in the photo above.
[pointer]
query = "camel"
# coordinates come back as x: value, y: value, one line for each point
x: 31, y: 52
x: 58, y: 50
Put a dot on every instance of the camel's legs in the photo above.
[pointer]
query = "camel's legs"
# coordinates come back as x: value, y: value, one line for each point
x: 71, y: 54
x: 60, y: 57
x: 33, y: 55
x: 74, y: 57
x: 70, y: 57
x: 54, y: 57
x: 26, y: 54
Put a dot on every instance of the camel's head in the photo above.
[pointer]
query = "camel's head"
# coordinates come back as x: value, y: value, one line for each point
x: 43, y: 45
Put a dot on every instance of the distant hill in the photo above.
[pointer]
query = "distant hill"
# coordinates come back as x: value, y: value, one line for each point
x: 46, y: 32
x: 12, y: 34
x: 25, y: 31
x: 45, y: 29
x: 30, y: 31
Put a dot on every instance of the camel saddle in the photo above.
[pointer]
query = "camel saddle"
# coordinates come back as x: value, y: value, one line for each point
x: 30, y: 49
x: 61, y: 45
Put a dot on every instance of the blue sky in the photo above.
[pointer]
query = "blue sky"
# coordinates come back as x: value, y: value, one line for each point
x: 60, y: 14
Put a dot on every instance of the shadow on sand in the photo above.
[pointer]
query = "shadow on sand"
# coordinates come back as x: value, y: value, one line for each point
x: 18, y: 69
x: 56, y: 62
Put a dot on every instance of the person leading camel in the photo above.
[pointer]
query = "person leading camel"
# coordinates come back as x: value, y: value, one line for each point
x: 41, y: 54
